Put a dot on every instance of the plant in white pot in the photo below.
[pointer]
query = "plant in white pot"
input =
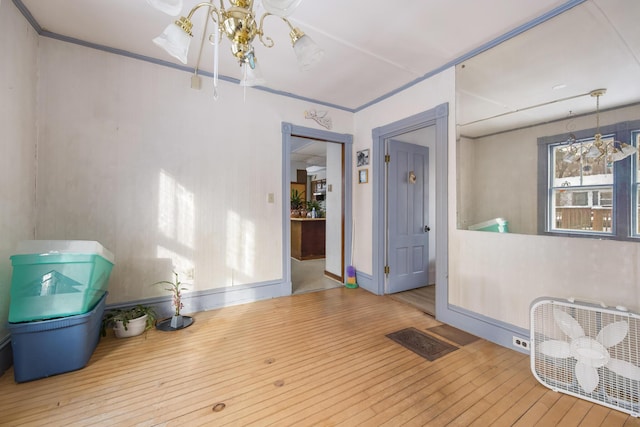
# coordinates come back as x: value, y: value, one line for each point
x: 129, y: 322
x: 177, y: 320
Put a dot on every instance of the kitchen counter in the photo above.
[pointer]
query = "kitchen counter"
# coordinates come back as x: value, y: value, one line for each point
x: 308, y: 238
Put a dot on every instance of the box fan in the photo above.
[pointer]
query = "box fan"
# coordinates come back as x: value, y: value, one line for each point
x: 587, y: 350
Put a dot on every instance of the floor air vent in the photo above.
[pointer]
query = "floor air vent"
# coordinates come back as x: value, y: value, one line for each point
x: 588, y: 351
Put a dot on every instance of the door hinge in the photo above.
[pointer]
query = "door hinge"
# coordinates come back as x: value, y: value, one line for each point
x: 387, y: 270
x: 387, y: 158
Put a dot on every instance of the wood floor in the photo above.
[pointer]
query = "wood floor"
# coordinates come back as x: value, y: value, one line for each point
x: 423, y: 298
x: 315, y: 359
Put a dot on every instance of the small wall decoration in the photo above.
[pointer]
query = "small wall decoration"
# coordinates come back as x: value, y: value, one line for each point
x: 320, y: 117
x: 363, y: 176
x: 363, y: 157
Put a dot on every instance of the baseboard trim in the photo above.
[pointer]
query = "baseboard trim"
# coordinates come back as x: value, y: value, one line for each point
x: 485, y: 327
x: 365, y: 281
x: 333, y: 276
x: 212, y: 298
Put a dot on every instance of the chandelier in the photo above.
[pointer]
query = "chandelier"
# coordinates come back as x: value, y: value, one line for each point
x: 609, y: 149
x: 239, y: 24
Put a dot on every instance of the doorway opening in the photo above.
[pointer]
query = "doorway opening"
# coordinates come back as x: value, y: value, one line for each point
x: 422, y: 222
x: 409, y: 250
x: 317, y: 200
x: 315, y: 261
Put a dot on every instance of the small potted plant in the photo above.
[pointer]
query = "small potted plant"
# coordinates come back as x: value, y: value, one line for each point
x: 129, y: 322
x: 297, y: 204
x: 176, y: 288
x: 314, y: 206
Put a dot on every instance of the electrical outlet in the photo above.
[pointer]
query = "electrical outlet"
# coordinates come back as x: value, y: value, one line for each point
x: 520, y: 343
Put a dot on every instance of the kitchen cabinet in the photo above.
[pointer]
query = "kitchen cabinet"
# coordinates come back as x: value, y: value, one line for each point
x: 308, y: 238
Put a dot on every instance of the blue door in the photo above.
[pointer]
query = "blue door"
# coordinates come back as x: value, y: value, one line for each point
x: 408, y: 211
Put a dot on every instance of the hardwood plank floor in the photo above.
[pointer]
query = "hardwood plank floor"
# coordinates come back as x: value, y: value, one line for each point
x: 316, y: 359
x: 423, y: 298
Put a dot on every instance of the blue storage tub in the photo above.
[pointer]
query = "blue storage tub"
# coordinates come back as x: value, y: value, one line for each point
x: 57, y: 278
x: 50, y: 347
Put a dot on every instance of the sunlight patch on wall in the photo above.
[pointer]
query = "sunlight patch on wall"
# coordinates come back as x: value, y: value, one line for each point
x: 181, y: 265
x: 176, y: 211
x: 241, y: 244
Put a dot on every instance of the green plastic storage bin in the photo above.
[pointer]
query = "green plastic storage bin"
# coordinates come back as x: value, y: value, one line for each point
x: 497, y: 225
x: 58, y: 281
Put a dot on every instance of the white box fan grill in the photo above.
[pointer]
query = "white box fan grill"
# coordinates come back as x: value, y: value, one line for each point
x: 587, y: 351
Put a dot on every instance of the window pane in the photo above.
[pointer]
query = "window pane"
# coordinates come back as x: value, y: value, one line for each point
x: 606, y: 198
x: 598, y: 165
x: 573, y: 168
x: 637, y: 210
x: 636, y: 141
x: 578, y: 209
x: 567, y: 164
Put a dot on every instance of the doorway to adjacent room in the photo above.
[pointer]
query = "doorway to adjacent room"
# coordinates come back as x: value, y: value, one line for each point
x: 325, y: 207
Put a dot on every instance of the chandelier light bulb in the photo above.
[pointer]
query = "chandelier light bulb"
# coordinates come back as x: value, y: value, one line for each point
x: 252, y: 76
x: 175, y: 41
x: 307, y: 51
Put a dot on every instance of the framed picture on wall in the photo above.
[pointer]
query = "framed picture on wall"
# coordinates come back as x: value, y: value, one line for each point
x: 363, y: 157
x: 363, y: 176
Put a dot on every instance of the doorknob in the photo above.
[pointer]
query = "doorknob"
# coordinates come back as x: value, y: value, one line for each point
x: 427, y: 228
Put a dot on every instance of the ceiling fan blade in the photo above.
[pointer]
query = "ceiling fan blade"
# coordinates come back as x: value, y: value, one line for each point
x: 555, y: 348
x: 624, y: 368
x: 613, y: 333
x: 568, y: 324
x: 587, y: 376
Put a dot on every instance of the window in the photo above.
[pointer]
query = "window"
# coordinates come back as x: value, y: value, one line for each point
x: 636, y: 185
x: 577, y: 182
x: 584, y: 192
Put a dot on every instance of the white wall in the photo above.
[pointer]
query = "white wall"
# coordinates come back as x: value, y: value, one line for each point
x: 333, y: 200
x: 159, y: 173
x: 18, y: 85
x: 498, y: 275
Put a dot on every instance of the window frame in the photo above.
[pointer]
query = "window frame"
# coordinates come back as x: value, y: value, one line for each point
x: 624, y: 182
x: 635, y: 182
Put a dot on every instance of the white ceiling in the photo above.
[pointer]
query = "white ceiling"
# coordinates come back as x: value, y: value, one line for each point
x: 372, y: 47
x: 310, y: 152
x: 591, y: 46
